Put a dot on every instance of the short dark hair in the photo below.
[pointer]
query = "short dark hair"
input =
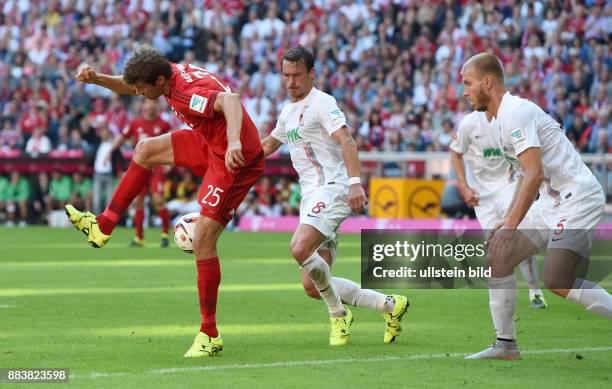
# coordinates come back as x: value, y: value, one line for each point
x: 145, y: 65
x: 300, y: 54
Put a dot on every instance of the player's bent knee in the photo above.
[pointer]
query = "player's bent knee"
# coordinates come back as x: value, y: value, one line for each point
x: 558, y: 282
x: 142, y: 152
x: 299, y: 250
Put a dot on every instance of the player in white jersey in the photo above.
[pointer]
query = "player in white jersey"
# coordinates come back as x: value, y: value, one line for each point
x: 562, y: 220
x: 324, y: 154
x: 489, y: 184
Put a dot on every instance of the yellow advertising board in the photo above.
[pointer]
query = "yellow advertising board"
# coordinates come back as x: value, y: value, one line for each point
x: 405, y: 198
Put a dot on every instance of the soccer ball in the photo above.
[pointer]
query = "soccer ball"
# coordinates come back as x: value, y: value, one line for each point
x: 184, y: 231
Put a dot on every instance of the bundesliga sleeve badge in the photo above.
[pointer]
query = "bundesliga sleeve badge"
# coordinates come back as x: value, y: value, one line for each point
x: 336, y: 116
x: 518, y: 137
x: 198, y: 103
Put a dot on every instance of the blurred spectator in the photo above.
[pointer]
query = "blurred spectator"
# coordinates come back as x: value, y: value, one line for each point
x: 38, y: 144
x: 81, y: 196
x: 281, y: 201
x: 60, y: 189
x: 17, y: 194
x: 10, y: 137
x: 76, y: 142
x: 3, y: 195
x: 601, y: 134
x: 103, y: 179
x: 63, y: 138
x: 445, y: 137
x: 41, y: 202
x: 265, y: 193
x: 31, y: 119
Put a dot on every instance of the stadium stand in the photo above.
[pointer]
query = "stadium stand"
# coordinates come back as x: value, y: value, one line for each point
x: 393, y: 65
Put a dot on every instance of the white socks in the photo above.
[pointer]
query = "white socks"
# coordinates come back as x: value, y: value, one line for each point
x: 352, y: 294
x: 529, y: 268
x: 592, y: 297
x: 502, y: 302
x: 319, y: 273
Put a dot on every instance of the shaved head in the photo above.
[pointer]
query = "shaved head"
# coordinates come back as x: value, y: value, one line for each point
x: 484, y: 64
x: 483, y: 82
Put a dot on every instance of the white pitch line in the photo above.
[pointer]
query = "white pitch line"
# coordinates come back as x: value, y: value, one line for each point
x: 310, y: 362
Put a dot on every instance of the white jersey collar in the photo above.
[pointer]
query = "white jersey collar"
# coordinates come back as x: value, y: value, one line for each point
x: 306, y: 98
x: 504, y: 103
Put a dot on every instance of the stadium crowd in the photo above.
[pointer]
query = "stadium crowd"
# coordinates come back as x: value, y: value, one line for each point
x: 393, y: 66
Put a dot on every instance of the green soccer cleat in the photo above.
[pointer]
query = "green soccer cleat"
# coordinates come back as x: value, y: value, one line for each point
x: 204, y: 346
x: 137, y: 242
x: 537, y: 302
x: 394, y: 319
x: 164, y: 240
x: 87, y: 224
x: 340, y: 329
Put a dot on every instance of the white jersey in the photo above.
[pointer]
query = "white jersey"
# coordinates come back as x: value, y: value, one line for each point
x: 306, y: 126
x: 521, y: 124
x: 487, y: 169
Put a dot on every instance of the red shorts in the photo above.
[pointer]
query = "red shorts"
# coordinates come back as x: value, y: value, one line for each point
x: 221, y: 191
x: 190, y: 151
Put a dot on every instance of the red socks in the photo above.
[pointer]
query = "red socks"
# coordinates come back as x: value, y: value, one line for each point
x: 165, y: 219
x: 129, y: 187
x: 138, y: 222
x: 209, y: 277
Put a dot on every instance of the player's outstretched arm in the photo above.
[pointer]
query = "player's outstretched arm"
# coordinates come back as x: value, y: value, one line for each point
x: 533, y: 175
x: 88, y: 75
x: 356, y: 196
x: 231, y: 106
x: 270, y: 145
x: 470, y: 196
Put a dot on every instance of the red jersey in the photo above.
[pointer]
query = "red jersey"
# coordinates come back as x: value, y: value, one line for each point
x: 193, y: 91
x: 141, y: 128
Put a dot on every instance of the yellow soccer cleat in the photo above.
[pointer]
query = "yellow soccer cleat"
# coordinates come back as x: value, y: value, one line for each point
x: 204, y: 346
x: 538, y: 302
x: 137, y: 242
x: 340, y: 329
x: 394, y: 319
x: 87, y: 224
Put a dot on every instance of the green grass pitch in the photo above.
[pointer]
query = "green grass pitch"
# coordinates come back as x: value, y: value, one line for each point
x: 123, y: 317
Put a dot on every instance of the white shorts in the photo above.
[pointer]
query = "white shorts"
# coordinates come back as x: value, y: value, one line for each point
x: 569, y: 225
x: 492, y: 208
x: 325, y: 209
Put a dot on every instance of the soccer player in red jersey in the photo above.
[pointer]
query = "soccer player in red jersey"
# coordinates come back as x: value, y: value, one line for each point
x: 224, y: 146
x: 147, y: 126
